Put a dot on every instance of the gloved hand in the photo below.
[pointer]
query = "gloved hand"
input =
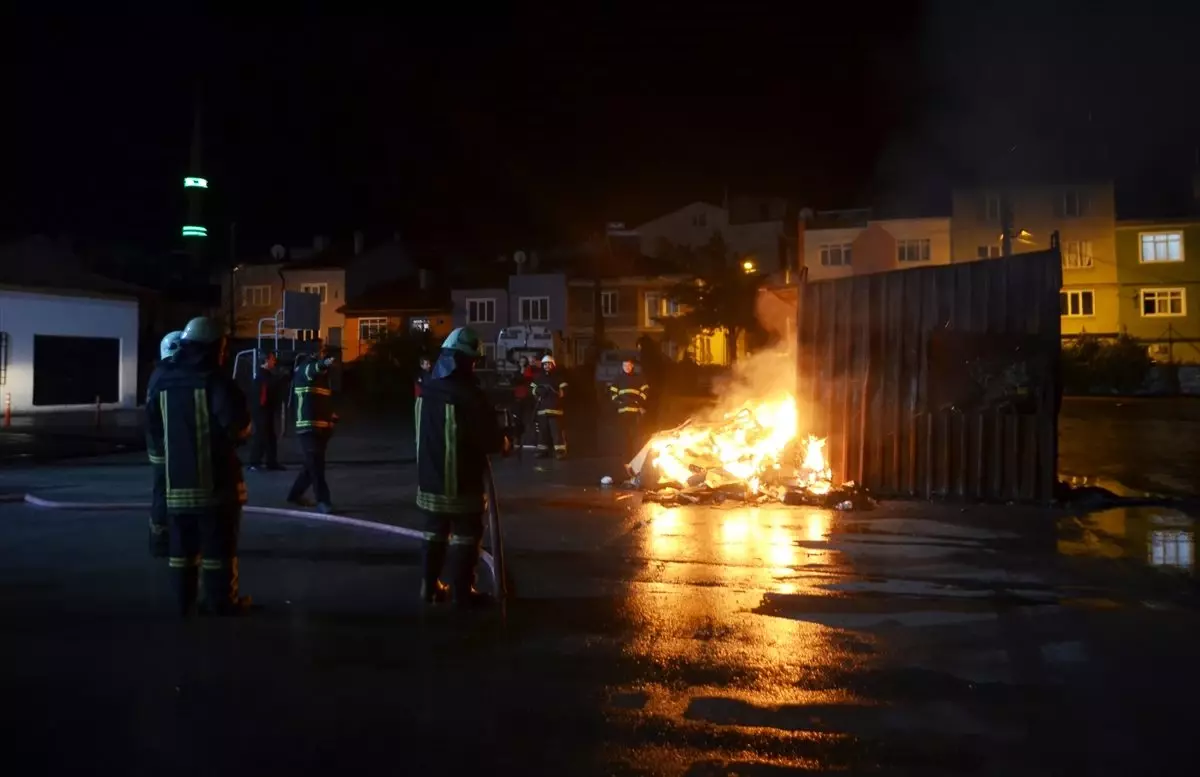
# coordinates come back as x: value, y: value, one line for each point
x: 160, y: 541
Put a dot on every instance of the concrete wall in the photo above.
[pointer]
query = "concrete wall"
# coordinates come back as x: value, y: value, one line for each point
x: 25, y: 314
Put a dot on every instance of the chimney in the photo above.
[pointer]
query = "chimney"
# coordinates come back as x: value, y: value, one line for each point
x: 358, y: 242
x: 423, y: 279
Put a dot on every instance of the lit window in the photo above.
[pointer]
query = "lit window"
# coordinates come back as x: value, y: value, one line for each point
x: 1077, y: 304
x: 835, y: 255
x: 481, y: 311
x: 1163, y: 303
x: 912, y: 250
x: 1161, y: 247
x: 418, y: 324
x: 371, y: 329
x: 535, y: 309
x: 1077, y: 255
x: 608, y: 303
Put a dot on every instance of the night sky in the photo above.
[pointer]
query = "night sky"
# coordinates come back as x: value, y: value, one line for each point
x: 510, y: 129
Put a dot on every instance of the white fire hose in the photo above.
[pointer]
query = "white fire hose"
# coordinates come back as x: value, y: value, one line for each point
x: 494, y: 560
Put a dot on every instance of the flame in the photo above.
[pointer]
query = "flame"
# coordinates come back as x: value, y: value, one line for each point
x: 757, y: 444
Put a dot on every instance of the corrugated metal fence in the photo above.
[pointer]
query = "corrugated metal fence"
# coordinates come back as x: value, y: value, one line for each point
x: 940, y: 381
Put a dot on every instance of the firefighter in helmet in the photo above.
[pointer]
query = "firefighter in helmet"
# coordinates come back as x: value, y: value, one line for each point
x: 549, y: 390
x: 315, y: 420
x: 199, y: 413
x: 159, y: 529
x: 456, y: 430
x: 630, y: 394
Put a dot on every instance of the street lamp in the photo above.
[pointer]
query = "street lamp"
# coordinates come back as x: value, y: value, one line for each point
x: 748, y: 266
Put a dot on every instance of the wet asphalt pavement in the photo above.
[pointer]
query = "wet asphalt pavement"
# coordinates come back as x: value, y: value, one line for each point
x: 912, y: 640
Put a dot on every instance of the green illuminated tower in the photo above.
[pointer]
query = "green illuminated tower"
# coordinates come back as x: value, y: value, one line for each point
x: 194, y: 230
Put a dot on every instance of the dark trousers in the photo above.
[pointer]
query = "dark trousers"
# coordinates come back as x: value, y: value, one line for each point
x: 313, y: 445
x: 630, y: 428
x: 159, y: 528
x: 265, y: 443
x: 551, y: 436
x: 205, y: 543
x: 452, y: 541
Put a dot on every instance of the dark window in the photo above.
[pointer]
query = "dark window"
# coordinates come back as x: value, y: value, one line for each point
x: 75, y: 370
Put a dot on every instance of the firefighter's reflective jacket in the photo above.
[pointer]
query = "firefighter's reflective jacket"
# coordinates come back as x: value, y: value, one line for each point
x: 630, y: 393
x: 456, y: 430
x: 549, y: 388
x: 154, y: 446
x: 197, y: 417
x: 313, y: 398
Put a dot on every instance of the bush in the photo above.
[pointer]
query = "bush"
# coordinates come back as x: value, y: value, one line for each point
x: 384, y: 377
x: 1092, y: 365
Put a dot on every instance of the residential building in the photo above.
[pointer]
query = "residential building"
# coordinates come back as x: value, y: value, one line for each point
x: 399, y: 306
x: 837, y: 244
x: 337, y: 273
x: 753, y: 230
x: 634, y: 301
x: 1158, y: 266
x: 1084, y: 216
x: 525, y: 298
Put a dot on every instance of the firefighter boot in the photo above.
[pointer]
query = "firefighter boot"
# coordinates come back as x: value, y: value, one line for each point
x: 187, y: 588
x: 463, y: 558
x: 221, y: 589
x: 433, y: 557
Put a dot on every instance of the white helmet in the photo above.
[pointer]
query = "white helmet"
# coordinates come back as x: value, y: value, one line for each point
x: 169, y: 346
x: 548, y: 359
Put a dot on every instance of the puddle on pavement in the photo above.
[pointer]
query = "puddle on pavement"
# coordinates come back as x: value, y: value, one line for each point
x: 1161, y: 538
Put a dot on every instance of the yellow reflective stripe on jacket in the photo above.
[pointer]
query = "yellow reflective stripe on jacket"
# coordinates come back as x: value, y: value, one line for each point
x: 440, y: 503
x: 314, y: 424
x: 166, y: 425
x: 204, y: 471
x: 318, y: 390
x: 562, y: 385
x: 549, y: 411
x: 635, y: 392
x: 630, y: 410
x: 417, y: 425
x: 450, y: 461
x: 157, y: 460
x: 192, y: 499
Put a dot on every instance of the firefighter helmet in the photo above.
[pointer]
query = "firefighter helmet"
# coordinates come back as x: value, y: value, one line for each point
x: 548, y: 359
x: 169, y: 345
x: 202, y: 330
x: 464, y: 340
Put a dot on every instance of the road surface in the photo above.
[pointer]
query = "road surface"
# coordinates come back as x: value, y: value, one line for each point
x: 911, y: 640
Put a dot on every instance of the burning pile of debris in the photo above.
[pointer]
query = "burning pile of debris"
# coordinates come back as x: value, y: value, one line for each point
x: 752, y: 455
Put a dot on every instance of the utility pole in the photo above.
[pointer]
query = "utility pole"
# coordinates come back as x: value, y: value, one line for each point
x: 233, y: 266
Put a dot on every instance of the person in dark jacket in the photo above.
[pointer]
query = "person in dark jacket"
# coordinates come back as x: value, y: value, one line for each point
x: 315, y: 419
x: 630, y: 393
x: 265, y: 410
x: 159, y: 524
x: 197, y: 415
x: 424, y: 374
x: 456, y: 430
x: 549, y: 391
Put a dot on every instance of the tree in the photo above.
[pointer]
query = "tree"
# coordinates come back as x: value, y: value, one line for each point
x: 719, y: 295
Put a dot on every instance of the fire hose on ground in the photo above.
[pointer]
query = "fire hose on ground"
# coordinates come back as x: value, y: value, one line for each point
x: 494, y: 560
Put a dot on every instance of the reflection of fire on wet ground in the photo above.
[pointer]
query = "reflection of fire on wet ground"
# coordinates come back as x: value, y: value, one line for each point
x: 753, y: 454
